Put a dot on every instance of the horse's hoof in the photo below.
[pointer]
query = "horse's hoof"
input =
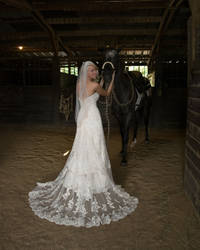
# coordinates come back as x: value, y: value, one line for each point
x: 123, y: 163
x: 147, y: 141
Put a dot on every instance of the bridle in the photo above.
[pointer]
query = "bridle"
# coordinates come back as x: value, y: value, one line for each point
x: 107, y: 62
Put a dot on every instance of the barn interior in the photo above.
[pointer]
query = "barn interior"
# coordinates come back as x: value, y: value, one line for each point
x: 42, y: 41
x: 42, y: 46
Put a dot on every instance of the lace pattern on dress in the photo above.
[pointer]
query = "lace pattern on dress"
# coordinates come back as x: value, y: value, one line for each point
x: 65, y: 207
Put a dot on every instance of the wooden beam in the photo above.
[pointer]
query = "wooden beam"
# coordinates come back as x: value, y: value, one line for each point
x: 18, y: 4
x: 86, y: 34
x: 170, y: 56
x: 172, y: 8
x: 93, y: 44
x: 161, y: 26
x: 104, y: 19
x: 20, y: 36
x: 88, y: 20
x: 42, y: 22
x: 107, y: 32
x: 60, y: 5
x: 172, y: 14
x: 18, y: 20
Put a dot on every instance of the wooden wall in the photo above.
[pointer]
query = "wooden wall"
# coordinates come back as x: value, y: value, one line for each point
x: 29, y: 90
x: 24, y: 104
x: 192, y: 146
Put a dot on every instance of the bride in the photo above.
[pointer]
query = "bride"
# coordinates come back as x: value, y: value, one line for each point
x: 84, y: 193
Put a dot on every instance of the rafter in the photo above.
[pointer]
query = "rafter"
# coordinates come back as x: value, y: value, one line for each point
x: 79, y: 43
x: 157, y: 37
x: 23, y: 4
x: 60, y: 5
x: 167, y: 16
x: 102, y: 19
x: 89, y: 20
x: 85, y: 26
x: 172, y: 14
x: 85, y: 34
x: 47, y: 27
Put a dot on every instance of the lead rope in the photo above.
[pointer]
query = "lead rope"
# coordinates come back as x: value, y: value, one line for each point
x: 132, y: 94
x: 108, y: 118
x: 108, y: 104
x: 107, y: 107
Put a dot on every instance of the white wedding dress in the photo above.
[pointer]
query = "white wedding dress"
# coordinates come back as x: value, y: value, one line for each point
x: 84, y: 193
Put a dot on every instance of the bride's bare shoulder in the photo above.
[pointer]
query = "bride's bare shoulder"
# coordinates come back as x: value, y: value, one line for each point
x: 95, y: 84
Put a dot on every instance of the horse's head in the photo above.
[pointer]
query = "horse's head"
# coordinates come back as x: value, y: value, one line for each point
x: 111, y: 63
x: 107, y: 71
x: 112, y: 55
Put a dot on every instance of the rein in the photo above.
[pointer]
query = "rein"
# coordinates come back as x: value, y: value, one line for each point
x: 132, y: 94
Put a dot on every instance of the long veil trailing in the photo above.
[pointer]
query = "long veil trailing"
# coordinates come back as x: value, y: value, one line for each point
x: 81, y: 87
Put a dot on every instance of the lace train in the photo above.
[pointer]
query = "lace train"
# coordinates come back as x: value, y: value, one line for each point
x: 65, y: 207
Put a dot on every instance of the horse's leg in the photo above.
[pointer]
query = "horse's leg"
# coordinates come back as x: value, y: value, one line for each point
x: 135, y: 128
x: 121, y: 121
x: 121, y: 125
x: 146, y: 121
x: 125, y: 131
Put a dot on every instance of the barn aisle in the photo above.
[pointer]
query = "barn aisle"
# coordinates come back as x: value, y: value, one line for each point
x: 164, y: 220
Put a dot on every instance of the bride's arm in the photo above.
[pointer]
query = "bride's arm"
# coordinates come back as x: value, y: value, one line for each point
x: 101, y: 82
x: 104, y: 92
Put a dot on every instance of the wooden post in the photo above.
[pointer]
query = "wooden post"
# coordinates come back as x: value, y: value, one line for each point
x: 56, y: 89
x: 69, y: 66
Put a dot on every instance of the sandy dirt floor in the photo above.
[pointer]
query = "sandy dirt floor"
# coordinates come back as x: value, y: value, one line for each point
x: 164, y: 219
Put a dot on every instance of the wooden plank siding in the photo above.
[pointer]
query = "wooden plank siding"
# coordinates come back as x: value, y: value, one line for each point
x: 34, y: 103
x: 192, y: 145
